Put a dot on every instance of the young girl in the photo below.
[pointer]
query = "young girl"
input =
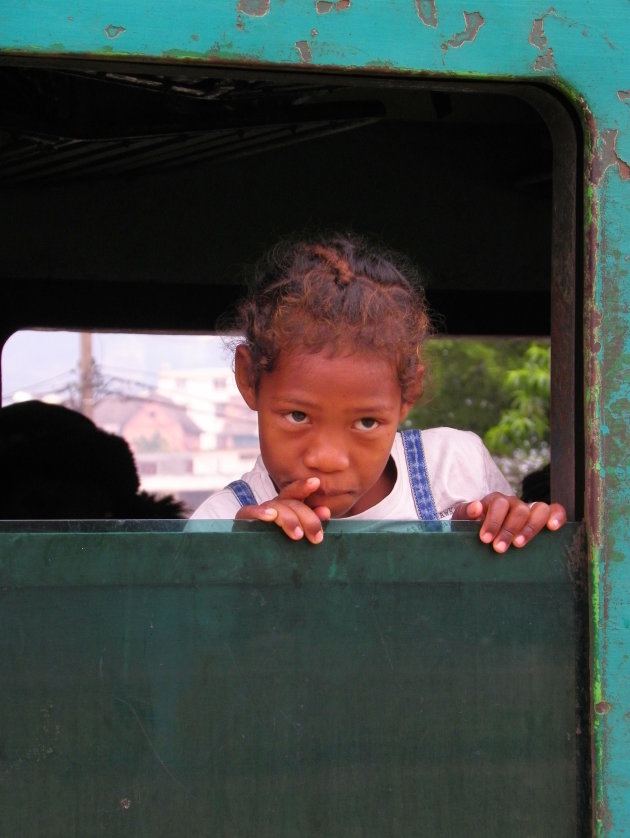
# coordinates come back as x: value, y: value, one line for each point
x: 331, y: 361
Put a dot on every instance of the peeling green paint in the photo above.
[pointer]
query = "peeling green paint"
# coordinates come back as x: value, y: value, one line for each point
x: 596, y: 687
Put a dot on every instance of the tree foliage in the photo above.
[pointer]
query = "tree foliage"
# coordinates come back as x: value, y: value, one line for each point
x: 525, y: 423
x: 498, y: 388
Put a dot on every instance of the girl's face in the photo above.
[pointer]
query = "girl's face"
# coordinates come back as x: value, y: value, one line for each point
x: 329, y: 417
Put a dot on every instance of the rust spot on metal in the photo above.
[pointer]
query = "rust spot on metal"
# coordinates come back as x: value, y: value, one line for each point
x: 427, y: 12
x: 545, y: 62
x: 593, y: 372
x: 602, y: 814
x: 304, y: 50
x: 602, y: 707
x: 474, y: 21
x: 538, y: 39
x: 112, y: 31
x: 623, y: 95
x: 607, y: 156
x: 323, y: 7
x: 254, y: 8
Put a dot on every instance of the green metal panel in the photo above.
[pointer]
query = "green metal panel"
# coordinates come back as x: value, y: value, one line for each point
x: 395, y: 680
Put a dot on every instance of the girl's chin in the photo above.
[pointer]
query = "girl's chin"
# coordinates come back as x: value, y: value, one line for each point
x: 340, y: 505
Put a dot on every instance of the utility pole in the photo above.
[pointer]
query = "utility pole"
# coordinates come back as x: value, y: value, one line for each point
x: 86, y: 384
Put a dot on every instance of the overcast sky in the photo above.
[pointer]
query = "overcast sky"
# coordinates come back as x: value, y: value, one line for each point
x: 40, y: 362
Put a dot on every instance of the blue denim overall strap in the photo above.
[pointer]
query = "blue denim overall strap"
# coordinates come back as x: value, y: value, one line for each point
x: 418, y: 477
x: 243, y: 492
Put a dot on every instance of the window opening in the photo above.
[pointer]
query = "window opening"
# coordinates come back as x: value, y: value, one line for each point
x: 171, y: 397
x: 174, y: 400
x: 475, y: 181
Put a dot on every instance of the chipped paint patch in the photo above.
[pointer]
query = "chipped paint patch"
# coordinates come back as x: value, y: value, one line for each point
x: 607, y: 156
x: 323, y: 7
x: 602, y: 816
x: 623, y: 95
x: 304, y: 51
x: 474, y: 21
x: 112, y: 31
x: 538, y: 39
x: 254, y: 8
x: 609, y: 42
x: 427, y: 12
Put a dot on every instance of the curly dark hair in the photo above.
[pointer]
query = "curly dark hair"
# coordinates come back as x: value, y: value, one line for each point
x: 336, y: 294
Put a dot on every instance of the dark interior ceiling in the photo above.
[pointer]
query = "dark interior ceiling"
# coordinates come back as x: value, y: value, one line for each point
x: 59, y: 126
x: 176, y: 178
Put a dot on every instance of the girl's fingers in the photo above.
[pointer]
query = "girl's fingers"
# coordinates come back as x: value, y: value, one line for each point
x: 541, y: 515
x: 507, y: 520
x: 298, y: 520
x: 294, y: 518
x: 299, y: 489
x: 256, y: 513
x: 469, y: 511
x: 557, y: 516
x: 499, y: 522
x: 537, y: 517
x: 524, y: 522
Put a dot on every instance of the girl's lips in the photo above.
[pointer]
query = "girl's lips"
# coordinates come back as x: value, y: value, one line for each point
x: 322, y: 492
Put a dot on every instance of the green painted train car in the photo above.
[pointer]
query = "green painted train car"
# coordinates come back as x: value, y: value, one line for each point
x: 401, y: 681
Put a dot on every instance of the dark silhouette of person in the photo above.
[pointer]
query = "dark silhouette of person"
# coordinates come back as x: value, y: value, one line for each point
x: 536, y: 485
x: 56, y: 463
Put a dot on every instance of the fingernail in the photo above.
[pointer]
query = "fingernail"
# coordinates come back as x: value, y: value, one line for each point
x: 519, y: 541
x: 269, y: 513
x: 500, y: 546
x: 554, y: 524
x: 318, y: 537
x: 486, y: 537
x: 298, y: 532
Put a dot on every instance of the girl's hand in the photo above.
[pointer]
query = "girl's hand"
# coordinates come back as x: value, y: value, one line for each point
x: 509, y: 520
x: 290, y: 513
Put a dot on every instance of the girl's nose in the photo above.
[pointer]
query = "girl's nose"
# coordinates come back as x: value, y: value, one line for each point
x: 326, y: 455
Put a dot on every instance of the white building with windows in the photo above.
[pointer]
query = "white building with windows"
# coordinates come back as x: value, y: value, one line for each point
x: 228, y: 443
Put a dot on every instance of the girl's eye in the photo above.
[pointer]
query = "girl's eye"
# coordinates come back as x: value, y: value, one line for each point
x: 297, y: 417
x: 366, y: 424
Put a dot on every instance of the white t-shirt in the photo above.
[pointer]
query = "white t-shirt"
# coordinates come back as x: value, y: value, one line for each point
x: 459, y: 468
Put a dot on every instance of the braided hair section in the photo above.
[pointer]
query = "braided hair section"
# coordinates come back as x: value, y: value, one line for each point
x: 338, y: 295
